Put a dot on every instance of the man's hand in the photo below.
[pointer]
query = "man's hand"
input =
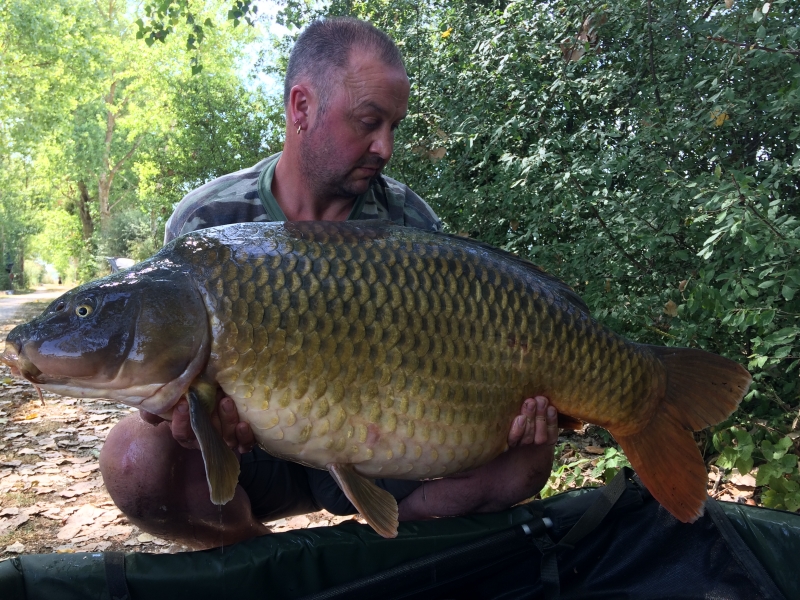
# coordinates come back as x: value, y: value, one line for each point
x: 237, y: 434
x: 537, y: 424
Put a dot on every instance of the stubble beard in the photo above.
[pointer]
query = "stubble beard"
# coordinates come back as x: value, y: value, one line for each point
x: 325, y: 181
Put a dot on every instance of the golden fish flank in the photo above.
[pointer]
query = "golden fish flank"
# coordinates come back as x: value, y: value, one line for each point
x: 373, y: 350
x: 436, y: 317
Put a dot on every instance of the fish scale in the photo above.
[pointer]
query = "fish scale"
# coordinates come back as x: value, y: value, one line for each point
x: 373, y: 351
x: 440, y: 349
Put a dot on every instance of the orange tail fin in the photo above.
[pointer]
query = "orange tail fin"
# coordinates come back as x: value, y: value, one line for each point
x: 702, y: 389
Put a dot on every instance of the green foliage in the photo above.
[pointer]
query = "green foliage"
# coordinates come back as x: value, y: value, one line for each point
x: 132, y: 234
x: 162, y: 18
x: 572, y: 469
x: 97, y: 130
x: 735, y: 446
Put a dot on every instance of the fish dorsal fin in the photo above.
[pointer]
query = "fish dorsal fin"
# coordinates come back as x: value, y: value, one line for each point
x: 222, y: 466
x: 377, y: 506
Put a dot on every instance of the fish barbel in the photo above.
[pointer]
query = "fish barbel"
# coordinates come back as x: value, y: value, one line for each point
x: 373, y: 350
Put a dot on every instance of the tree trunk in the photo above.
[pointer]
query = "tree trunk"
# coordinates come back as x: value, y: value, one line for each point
x: 21, y: 281
x: 84, y: 200
x: 108, y: 172
x: 103, y: 193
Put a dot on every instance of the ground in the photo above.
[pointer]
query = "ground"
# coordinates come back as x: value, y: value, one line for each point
x: 52, y: 498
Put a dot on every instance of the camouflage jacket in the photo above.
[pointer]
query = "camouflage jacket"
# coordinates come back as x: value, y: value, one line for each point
x: 246, y: 196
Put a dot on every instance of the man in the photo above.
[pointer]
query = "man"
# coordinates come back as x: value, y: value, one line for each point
x: 346, y: 92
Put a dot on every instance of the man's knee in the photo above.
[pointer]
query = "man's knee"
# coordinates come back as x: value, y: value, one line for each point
x: 135, y: 462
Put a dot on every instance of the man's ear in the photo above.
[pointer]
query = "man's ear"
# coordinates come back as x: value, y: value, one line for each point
x: 301, y: 100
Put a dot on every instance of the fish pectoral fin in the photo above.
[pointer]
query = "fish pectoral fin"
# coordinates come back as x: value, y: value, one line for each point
x: 221, y: 463
x: 377, y: 506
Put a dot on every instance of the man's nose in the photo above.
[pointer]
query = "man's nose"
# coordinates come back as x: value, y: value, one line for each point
x: 383, y: 144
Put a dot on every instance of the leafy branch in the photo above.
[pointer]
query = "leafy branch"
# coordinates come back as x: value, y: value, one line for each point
x: 749, y: 46
x: 163, y: 16
x: 743, y: 199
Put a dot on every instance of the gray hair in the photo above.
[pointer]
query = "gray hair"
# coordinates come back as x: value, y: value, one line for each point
x: 325, y: 46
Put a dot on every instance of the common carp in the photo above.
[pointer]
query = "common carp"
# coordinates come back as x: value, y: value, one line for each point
x: 372, y: 350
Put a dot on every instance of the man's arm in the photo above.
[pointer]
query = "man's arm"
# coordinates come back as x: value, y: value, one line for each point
x: 512, y: 477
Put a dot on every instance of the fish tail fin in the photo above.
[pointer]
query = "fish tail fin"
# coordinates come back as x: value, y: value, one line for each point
x: 701, y: 389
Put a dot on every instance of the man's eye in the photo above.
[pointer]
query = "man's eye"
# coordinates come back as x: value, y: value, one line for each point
x: 370, y: 124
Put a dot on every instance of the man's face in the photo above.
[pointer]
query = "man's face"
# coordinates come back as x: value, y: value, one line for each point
x: 346, y: 147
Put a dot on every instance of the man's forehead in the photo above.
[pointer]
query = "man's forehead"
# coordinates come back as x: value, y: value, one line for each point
x: 371, y: 84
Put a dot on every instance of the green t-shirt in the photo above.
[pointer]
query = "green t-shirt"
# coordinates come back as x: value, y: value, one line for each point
x: 246, y: 196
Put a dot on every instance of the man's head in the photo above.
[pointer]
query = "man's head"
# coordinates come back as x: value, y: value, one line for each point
x: 323, y: 50
x: 347, y: 90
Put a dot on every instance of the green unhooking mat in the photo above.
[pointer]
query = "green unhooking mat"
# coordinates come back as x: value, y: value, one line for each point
x: 611, y: 542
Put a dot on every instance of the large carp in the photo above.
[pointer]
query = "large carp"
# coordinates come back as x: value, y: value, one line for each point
x: 372, y: 351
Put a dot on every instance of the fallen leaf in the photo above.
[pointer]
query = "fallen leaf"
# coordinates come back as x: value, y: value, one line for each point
x: 594, y: 450
x: 79, y: 488
x: 16, y: 548
x: 69, y: 531
x: 740, y: 480
x: 117, y: 531
x: 12, y: 523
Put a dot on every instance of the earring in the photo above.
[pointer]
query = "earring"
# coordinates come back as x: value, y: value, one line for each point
x: 299, y: 127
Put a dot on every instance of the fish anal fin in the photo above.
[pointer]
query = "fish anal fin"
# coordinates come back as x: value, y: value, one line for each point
x: 221, y: 463
x: 377, y: 506
x: 567, y: 422
x: 665, y: 456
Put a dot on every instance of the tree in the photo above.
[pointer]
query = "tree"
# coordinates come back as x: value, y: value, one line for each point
x: 96, y: 119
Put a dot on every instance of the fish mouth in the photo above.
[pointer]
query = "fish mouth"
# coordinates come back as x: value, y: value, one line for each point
x: 11, y: 355
x: 19, y: 364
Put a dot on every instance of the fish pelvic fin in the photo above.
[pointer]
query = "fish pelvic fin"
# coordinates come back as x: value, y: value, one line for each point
x: 701, y: 389
x: 221, y: 463
x: 377, y: 506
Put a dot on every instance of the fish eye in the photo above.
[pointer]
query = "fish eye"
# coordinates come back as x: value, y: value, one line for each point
x: 84, y: 310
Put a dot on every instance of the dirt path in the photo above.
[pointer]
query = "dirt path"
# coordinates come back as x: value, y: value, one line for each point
x: 52, y: 497
x: 19, y: 304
